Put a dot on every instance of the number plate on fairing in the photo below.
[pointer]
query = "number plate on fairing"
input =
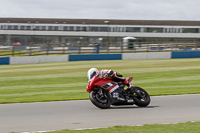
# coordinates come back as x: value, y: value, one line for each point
x: 115, y: 95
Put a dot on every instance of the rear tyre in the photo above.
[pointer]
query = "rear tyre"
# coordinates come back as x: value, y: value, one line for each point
x: 142, y: 99
x: 101, y: 98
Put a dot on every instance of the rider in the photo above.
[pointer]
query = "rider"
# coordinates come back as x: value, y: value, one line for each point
x: 115, y: 76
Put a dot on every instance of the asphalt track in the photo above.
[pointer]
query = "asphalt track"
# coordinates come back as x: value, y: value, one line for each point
x: 45, y: 116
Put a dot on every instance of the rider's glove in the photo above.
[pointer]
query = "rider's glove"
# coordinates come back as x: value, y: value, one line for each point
x: 111, y: 72
x: 106, y: 75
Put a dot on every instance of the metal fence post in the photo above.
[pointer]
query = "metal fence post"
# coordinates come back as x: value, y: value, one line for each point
x: 63, y: 48
x: 108, y: 46
x: 147, y: 46
x: 79, y: 47
x: 122, y: 48
x: 47, y: 49
x: 13, y: 51
x: 30, y: 49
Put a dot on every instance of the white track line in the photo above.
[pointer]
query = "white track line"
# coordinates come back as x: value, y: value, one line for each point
x: 103, y: 127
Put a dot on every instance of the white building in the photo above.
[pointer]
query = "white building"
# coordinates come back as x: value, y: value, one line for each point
x: 45, y: 30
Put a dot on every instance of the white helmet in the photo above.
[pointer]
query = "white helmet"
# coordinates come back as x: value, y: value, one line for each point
x: 91, y: 73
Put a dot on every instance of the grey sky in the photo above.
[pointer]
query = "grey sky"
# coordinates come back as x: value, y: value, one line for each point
x: 102, y: 9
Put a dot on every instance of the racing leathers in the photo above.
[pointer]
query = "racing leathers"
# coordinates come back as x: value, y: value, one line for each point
x: 115, y: 76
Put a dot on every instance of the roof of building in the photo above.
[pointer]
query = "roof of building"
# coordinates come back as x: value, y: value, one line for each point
x: 100, y: 21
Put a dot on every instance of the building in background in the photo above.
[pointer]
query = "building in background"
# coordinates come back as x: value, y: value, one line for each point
x: 26, y: 31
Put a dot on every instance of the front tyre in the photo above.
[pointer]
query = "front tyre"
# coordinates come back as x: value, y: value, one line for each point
x: 100, y: 98
x: 141, y: 98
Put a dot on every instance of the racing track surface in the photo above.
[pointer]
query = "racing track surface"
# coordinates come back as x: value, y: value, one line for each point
x: 26, y: 117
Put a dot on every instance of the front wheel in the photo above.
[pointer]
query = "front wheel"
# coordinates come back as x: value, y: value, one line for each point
x: 142, y: 98
x: 100, y: 98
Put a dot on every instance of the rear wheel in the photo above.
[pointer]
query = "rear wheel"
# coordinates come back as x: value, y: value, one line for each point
x: 100, y: 98
x: 141, y: 98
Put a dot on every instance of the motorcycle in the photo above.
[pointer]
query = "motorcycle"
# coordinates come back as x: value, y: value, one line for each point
x: 104, y: 92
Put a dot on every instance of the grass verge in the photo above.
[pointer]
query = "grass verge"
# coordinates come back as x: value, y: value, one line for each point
x: 189, y: 127
x: 67, y: 80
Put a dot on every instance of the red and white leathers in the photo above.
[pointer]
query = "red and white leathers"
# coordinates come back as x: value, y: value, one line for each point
x: 115, y: 76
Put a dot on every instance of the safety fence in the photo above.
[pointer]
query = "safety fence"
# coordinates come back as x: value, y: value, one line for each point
x: 84, y: 48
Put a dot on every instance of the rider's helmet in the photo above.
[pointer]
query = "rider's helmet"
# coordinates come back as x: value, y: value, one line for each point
x: 91, y: 73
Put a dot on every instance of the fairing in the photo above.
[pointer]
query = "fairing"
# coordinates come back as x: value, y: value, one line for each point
x: 105, y: 83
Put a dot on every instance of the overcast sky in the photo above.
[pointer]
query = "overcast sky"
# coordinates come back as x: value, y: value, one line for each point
x: 103, y: 9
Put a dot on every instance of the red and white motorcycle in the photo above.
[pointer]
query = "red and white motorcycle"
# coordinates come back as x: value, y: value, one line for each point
x: 104, y: 92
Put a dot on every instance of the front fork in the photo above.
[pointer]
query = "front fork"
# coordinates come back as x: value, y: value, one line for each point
x: 138, y: 92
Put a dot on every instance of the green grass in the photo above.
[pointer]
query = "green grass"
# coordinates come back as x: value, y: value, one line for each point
x: 9, y: 53
x: 189, y: 127
x: 67, y: 80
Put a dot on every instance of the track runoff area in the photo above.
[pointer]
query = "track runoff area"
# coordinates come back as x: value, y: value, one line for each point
x: 67, y: 80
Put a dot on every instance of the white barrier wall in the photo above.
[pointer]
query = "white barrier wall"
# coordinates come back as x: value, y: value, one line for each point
x: 159, y: 55
x: 149, y: 55
x: 38, y: 59
x: 65, y: 58
x: 124, y: 56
